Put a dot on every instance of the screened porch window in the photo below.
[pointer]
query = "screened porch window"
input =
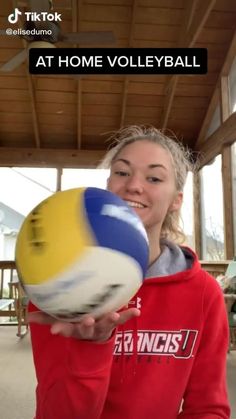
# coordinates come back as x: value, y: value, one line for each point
x: 21, y: 190
x: 232, y: 86
x: 212, y: 220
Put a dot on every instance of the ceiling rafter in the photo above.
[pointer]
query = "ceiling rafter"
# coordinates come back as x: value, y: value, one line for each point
x: 33, y: 109
x: 224, y: 98
x: 208, y: 116
x: 190, y: 9
x: 126, y: 80
x: 171, y: 84
x: 224, y: 135
x: 39, y: 157
x: 31, y: 91
x: 76, y: 8
x: 230, y: 55
x: 194, y: 20
x: 56, y: 95
x: 200, y: 17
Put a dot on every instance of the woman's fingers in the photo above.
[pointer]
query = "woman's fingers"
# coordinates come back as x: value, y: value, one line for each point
x: 128, y: 314
x: 106, y: 325
x: 62, y: 328
x: 87, y: 328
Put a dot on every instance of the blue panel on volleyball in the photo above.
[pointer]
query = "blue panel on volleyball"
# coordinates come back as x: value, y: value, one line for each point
x: 115, y: 225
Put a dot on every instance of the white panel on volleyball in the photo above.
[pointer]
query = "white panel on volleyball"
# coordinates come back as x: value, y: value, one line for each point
x: 100, y: 281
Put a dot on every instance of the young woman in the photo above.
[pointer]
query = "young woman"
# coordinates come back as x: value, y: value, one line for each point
x: 164, y: 356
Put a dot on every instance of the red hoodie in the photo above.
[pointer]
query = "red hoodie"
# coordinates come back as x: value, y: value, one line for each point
x: 174, y: 354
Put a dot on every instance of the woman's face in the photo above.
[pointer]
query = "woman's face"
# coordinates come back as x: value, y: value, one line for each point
x: 142, y: 174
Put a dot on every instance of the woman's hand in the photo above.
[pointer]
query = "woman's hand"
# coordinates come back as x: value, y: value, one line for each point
x: 87, y: 328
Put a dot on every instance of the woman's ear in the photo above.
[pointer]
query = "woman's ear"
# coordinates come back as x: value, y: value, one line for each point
x: 177, y: 202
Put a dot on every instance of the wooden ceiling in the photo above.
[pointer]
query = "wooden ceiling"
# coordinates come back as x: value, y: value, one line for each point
x: 63, y: 120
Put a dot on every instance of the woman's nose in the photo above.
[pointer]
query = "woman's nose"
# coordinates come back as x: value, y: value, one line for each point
x: 134, y: 184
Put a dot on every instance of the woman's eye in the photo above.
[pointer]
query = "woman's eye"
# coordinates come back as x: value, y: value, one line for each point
x: 154, y: 179
x: 121, y: 173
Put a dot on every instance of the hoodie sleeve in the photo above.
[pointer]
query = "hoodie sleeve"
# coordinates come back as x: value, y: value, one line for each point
x: 206, y: 395
x: 73, y: 375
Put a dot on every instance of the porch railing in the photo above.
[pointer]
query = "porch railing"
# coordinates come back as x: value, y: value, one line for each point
x: 215, y: 268
x: 7, y: 274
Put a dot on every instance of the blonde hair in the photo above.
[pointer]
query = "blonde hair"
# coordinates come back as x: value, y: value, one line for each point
x: 181, y: 159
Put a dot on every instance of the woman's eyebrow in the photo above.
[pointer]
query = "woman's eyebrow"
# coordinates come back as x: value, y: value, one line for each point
x: 150, y: 166
x: 153, y: 166
x: 123, y: 160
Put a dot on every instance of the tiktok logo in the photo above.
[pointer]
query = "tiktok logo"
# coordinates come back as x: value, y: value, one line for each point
x: 13, y: 17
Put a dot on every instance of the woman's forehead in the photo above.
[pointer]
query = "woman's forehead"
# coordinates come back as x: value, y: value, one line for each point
x: 144, y: 151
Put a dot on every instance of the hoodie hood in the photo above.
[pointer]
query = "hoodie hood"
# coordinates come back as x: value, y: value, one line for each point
x: 173, y: 260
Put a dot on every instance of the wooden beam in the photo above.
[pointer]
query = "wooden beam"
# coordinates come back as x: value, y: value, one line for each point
x: 227, y: 174
x: 126, y: 81
x: 199, y: 20
x: 224, y: 135
x: 33, y: 109
x: 228, y: 202
x: 190, y: 8
x: 79, y: 114
x: 230, y: 56
x: 124, y: 101
x: 224, y: 98
x: 208, y: 117
x: 192, y: 26
x: 76, y: 12
x: 35, y: 157
x: 168, y: 102
x: 31, y: 90
x: 231, y: 53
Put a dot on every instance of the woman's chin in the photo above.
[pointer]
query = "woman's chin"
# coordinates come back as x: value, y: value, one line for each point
x: 142, y: 213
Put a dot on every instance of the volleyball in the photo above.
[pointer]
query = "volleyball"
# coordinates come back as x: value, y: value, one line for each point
x: 81, y: 251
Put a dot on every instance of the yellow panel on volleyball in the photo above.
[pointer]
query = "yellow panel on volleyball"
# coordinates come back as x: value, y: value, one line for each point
x: 53, y: 236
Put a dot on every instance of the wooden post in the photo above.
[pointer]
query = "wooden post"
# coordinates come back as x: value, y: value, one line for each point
x: 228, y: 202
x: 197, y: 213
x: 227, y: 174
